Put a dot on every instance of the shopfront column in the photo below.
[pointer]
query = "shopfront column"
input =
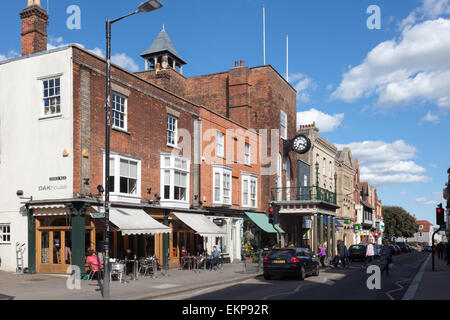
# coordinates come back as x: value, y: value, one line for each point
x: 329, y: 252
x: 320, y: 230
x: 333, y: 232
x: 166, y: 241
x: 314, y: 237
x: 31, y: 242
x: 78, y: 213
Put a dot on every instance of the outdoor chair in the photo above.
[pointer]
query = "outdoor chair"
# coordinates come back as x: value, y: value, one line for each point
x: 185, y: 261
x: 117, y: 270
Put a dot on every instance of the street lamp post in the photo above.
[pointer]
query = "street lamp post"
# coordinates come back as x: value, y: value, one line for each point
x: 144, y: 7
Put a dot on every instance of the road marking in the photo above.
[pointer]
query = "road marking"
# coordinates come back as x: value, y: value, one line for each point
x: 395, y: 290
x: 411, y: 292
x: 197, y: 292
x: 285, y: 293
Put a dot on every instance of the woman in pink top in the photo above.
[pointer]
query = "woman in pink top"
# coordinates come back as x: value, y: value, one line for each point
x: 321, y: 254
x: 94, y: 260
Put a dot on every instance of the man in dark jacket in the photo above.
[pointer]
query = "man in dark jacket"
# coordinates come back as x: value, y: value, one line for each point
x: 341, y: 254
x: 386, y: 259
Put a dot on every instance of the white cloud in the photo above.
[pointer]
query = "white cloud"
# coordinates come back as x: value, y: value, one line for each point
x: 303, y: 84
x: 121, y: 59
x: 11, y: 54
x: 324, y: 122
x: 383, y: 163
x: 430, y: 9
x: 413, y: 68
x: 429, y: 117
x: 433, y: 165
x: 434, y: 198
x: 125, y: 62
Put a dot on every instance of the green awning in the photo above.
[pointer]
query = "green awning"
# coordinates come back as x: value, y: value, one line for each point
x: 262, y: 221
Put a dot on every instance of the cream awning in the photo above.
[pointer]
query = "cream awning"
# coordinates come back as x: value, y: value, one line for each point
x: 136, y: 221
x: 201, y: 224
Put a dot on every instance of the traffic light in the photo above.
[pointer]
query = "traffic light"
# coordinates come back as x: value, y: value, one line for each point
x: 440, y: 216
x: 274, y: 214
x: 271, y: 215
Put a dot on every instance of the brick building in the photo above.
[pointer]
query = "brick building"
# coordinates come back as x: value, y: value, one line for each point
x: 166, y: 192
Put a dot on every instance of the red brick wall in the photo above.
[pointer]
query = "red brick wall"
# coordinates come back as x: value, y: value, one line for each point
x: 147, y: 123
x: 264, y: 91
x: 213, y: 122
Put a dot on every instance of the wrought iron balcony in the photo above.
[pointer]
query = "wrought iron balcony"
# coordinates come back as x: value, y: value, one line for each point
x: 303, y: 194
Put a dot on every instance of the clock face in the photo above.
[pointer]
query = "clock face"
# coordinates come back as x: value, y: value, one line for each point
x: 301, y: 144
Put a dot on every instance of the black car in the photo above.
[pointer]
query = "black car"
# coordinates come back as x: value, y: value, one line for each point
x: 395, y: 249
x: 296, y: 262
x: 357, y: 252
x: 427, y: 249
x: 399, y: 250
x: 404, y: 247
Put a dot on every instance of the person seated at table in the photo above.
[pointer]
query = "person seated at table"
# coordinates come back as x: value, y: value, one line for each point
x: 125, y: 256
x: 184, y: 253
x: 199, y: 252
x: 214, y: 256
x: 95, y: 262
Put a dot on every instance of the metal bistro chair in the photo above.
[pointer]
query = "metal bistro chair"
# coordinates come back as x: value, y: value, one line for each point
x: 148, y: 266
x: 117, y: 270
x: 93, y: 272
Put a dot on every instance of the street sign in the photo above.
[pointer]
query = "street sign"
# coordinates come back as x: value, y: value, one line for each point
x: 98, y: 215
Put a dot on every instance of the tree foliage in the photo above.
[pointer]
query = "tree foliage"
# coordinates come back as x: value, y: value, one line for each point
x: 398, y: 222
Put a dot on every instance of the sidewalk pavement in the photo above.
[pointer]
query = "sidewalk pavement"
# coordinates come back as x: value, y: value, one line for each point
x: 434, y: 285
x: 53, y: 287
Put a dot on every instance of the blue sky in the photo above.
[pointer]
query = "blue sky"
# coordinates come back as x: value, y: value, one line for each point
x: 385, y: 93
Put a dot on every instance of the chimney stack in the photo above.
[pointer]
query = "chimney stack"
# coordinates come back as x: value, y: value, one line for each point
x: 34, y: 28
x: 236, y: 64
x: 242, y: 63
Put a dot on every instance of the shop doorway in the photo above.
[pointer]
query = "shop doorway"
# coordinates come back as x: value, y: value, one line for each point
x: 54, y: 244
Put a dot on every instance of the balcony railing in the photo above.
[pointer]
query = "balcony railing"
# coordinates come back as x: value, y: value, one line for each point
x: 303, y: 194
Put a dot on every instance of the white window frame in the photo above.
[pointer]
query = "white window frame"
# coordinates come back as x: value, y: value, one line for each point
x: 219, y: 191
x: 125, y: 111
x: 175, y: 131
x: 283, y: 125
x: 324, y: 169
x: 54, y: 96
x: 220, y: 144
x: 116, y: 195
x: 4, y: 227
x: 247, y: 154
x: 249, y: 179
x: 174, y: 164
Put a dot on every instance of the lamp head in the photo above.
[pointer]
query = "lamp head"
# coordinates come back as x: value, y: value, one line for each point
x: 149, y: 6
x: 158, y: 197
x: 19, y: 193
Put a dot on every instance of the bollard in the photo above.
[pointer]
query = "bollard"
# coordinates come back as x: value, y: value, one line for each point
x: 244, y: 259
x: 259, y: 261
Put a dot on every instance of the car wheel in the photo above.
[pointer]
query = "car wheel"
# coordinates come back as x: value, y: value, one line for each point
x: 317, y: 271
x: 267, y: 277
x: 301, y: 273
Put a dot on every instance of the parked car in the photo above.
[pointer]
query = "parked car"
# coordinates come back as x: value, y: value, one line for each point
x: 395, y: 249
x: 298, y: 262
x: 399, y: 250
x: 357, y: 252
x: 405, y: 248
x: 413, y: 249
x: 427, y: 249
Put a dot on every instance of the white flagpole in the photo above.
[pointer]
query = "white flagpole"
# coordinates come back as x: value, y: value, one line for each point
x: 287, y: 58
x: 264, y: 33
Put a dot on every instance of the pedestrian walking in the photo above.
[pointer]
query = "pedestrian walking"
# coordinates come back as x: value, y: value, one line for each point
x: 341, y: 254
x: 447, y: 252
x: 386, y: 259
x: 321, y: 254
x: 370, y: 254
x: 440, y: 248
x: 347, y: 256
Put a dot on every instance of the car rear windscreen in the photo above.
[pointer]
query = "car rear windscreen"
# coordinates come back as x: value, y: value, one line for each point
x: 357, y: 247
x: 281, y: 254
